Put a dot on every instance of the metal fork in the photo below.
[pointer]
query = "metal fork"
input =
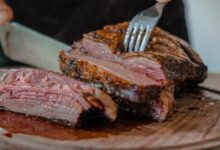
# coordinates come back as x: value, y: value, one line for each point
x: 140, y: 28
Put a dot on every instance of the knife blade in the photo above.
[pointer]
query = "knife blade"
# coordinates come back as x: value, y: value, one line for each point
x: 28, y: 46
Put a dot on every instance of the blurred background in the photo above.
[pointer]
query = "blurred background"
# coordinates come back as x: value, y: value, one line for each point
x: 203, y: 19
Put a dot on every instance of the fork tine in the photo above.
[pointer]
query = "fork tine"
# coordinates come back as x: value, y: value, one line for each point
x: 145, y: 40
x: 133, y: 38
x: 127, y: 38
x: 139, y: 39
x: 147, y: 19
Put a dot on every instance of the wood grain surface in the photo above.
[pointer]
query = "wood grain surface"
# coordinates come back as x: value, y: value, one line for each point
x: 213, y: 82
x: 194, y: 125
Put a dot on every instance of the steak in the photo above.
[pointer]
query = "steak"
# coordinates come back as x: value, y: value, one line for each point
x: 142, y: 83
x: 53, y: 96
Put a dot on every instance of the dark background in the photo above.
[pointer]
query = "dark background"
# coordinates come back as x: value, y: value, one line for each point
x: 67, y: 20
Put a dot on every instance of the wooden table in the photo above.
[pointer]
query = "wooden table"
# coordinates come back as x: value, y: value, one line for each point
x: 194, y: 125
x: 213, y: 81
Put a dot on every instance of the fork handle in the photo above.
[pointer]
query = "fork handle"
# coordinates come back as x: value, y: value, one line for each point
x: 160, y: 6
x: 163, y: 1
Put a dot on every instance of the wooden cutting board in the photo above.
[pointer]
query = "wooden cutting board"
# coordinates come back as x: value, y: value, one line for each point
x: 194, y: 125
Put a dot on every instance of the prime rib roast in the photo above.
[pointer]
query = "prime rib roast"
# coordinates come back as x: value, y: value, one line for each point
x: 142, y: 83
x: 53, y: 96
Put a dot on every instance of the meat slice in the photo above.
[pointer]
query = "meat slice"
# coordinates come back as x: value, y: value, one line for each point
x: 53, y: 96
x: 140, y: 82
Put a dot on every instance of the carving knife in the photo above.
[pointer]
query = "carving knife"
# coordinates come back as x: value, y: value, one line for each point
x: 30, y: 47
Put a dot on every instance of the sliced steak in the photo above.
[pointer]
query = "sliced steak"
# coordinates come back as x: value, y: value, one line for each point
x: 140, y: 82
x: 53, y: 96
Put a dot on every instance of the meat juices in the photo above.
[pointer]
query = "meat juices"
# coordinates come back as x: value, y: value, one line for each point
x: 53, y: 96
x: 142, y: 83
